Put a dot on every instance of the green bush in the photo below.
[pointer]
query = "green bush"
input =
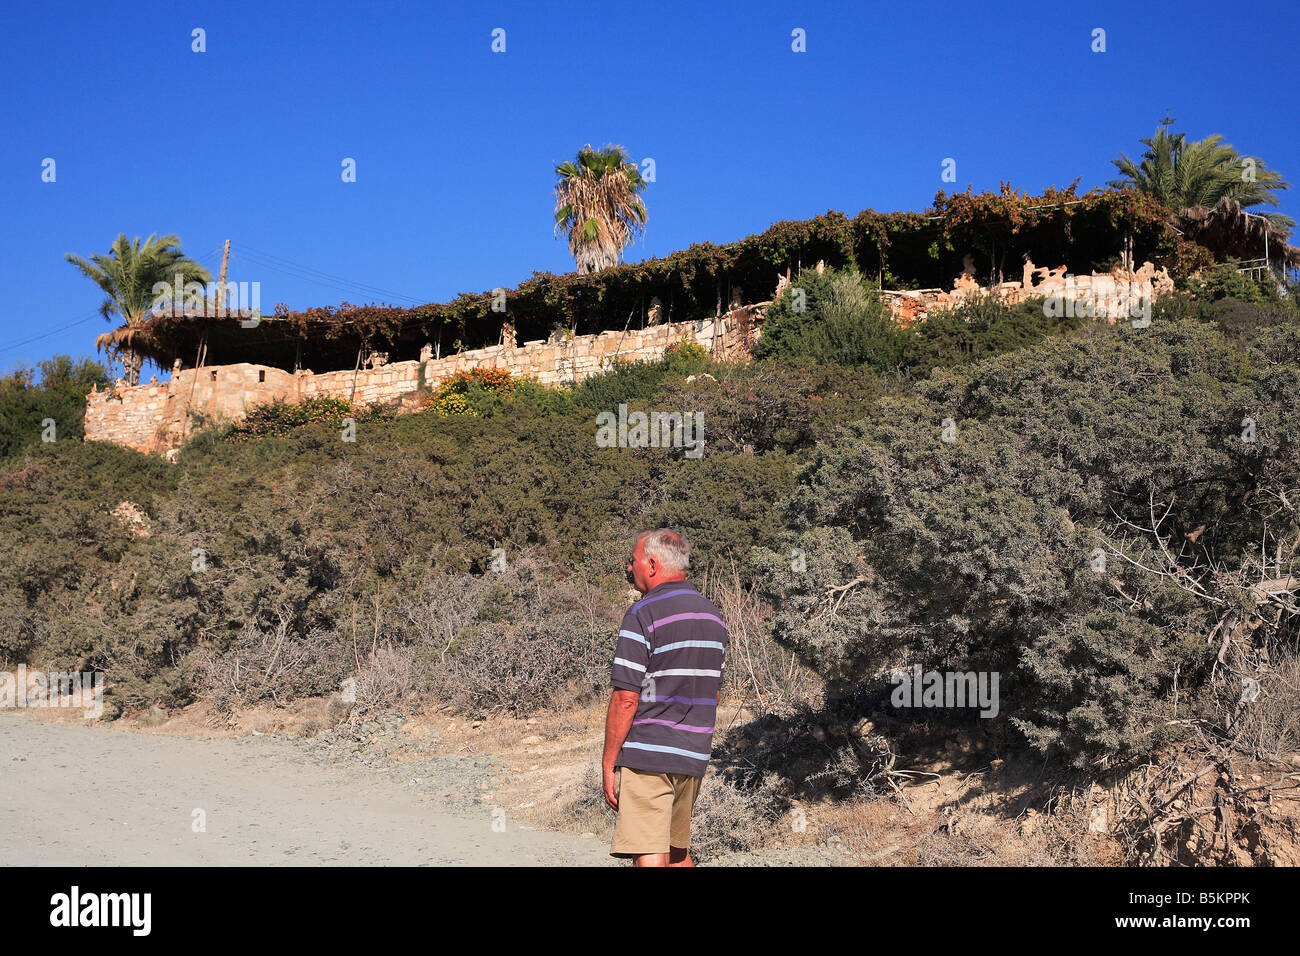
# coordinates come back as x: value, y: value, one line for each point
x: 1226, y: 281
x: 981, y: 328
x: 975, y: 553
x: 278, y: 419
x: 60, y: 395
x: 684, y: 359
x: 637, y: 382
x: 840, y: 319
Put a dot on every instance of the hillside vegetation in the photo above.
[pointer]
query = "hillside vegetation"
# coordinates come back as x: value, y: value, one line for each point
x: 1103, y: 515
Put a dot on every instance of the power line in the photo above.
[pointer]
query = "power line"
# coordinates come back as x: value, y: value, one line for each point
x: 320, y: 272
x: 346, y: 290
x: 279, y: 263
x: 82, y: 321
x: 45, y: 335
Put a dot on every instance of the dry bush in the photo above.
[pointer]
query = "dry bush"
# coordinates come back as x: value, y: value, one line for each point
x: 273, y: 665
x: 431, y: 617
x: 727, y: 818
x: 520, y: 668
x: 387, y: 679
x: 580, y: 806
x: 732, y: 817
x: 770, y: 677
x: 1269, y: 724
x: 973, y: 840
x: 537, y: 640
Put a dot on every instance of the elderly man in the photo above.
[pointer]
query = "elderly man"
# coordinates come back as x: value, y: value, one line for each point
x: 667, y: 677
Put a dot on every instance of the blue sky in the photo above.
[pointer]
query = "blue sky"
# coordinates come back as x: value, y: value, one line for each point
x: 455, y: 145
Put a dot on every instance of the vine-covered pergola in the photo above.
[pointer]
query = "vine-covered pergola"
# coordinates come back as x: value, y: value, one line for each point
x: 902, y: 250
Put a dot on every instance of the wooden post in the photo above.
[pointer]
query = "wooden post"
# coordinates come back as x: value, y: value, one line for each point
x: 356, y: 371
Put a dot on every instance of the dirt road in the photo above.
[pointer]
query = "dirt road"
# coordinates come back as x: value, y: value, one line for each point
x: 73, y: 795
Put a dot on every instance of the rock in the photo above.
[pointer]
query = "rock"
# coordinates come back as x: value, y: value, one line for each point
x: 531, y: 741
x: 133, y: 518
x: 1030, y: 823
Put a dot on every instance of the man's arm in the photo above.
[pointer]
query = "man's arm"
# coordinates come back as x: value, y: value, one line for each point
x: 618, y: 722
x: 628, y: 676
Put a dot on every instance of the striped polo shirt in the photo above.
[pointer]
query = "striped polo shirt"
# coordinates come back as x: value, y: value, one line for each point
x: 672, y: 648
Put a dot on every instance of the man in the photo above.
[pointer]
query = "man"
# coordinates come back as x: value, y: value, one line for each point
x: 667, y: 677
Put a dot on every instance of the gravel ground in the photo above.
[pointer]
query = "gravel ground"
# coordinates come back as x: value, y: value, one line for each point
x: 75, y: 795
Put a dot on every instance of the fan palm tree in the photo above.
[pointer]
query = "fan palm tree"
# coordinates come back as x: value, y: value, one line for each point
x: 128, y: 276
x: 598, y: 206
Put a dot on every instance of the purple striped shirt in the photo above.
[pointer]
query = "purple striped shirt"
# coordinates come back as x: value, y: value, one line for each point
x: 672, y: 649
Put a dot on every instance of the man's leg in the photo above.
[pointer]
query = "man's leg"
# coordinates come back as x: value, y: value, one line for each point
x: 678, y: 856
x: 645, y: 806
x: 685, y: 791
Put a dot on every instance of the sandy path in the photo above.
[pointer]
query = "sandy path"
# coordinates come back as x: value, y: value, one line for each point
x: 73, y: 795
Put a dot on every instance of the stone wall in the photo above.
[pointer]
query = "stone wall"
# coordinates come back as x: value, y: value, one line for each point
x: 1118, y: 295
x: 155, y: 418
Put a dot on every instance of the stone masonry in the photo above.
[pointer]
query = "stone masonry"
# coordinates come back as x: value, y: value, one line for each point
x: 155, y: 418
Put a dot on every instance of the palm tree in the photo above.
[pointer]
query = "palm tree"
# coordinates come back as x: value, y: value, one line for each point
x: 1182, y: 175
x: 128, y: 276
x: 598, y: 206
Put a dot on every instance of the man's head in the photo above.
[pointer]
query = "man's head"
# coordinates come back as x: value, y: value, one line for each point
x: 658, y: 556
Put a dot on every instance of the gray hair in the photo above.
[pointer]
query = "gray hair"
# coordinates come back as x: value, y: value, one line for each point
x: 667, y: 547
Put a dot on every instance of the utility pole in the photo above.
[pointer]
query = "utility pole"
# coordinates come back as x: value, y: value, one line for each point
x: 221, y: 282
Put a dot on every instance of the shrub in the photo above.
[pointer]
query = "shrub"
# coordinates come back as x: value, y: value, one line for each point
x: 976, y: 553
x: 841, y: 320
x: 282, y: 418
x: 683, y: 359
x: 637, y: 382
x: 1226, y: 281
x: 60, y: 395
x: 980, y: 328
x: 525, y: 667
x: 457, y: 394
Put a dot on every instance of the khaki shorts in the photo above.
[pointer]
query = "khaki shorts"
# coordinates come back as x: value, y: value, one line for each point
x: 654, y: 811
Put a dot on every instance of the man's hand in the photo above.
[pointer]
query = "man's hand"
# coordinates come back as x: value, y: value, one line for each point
x: 622, y: 710
x: 610, y: 798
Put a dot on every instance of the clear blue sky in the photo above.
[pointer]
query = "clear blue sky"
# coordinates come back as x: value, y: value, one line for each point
x: 455, y: 146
